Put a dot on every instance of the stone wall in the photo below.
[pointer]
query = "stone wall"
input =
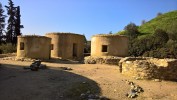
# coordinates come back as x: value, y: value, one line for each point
x: 149, y: 68
x: 102, y: 60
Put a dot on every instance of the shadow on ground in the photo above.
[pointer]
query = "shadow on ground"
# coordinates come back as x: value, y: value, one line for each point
x: 63, y: 61
x: 49, y: 84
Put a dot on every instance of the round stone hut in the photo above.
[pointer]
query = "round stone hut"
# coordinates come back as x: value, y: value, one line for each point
x: 109, y: 45
x: 67, y: 45
x: 32, y: 46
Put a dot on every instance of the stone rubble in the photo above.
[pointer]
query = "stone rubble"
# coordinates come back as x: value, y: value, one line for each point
x: 36, y: 65
x: 135, y: 90
x: 18, y: 59
x: 112, y: 60
x: 65, y: 68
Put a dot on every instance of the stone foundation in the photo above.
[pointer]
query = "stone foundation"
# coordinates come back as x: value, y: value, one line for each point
x: 19, y: 59
x: 149, y: 68
x: 102, y: 60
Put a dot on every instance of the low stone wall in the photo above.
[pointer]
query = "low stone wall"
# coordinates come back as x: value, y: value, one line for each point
x: 102, y: 60
x: 149, y: 68
x: 18, y: 59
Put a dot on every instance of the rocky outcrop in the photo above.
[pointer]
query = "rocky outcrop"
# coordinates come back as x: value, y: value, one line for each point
x: 149, y: 68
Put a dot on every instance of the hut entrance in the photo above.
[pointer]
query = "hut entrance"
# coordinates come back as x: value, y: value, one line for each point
x: 74, y: 50
x: 22, y: 45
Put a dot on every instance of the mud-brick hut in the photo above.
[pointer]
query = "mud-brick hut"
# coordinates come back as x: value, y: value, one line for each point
x: 109, y: 45
x: 32, y: 46
x: 67, y: 45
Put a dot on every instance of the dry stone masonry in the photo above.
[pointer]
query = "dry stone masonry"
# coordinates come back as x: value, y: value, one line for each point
x: 18, y: 59
x: 112, y: 60
x: 140, y: 67
x: 149, y: 68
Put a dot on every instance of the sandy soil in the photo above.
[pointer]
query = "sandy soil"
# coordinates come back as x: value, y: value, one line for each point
x: 56, y: 84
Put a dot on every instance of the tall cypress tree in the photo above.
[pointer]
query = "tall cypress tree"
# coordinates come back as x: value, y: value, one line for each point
x: 14, y: 23
x: 2, y: 23
x: 18, y: 25
x: 11, y: 22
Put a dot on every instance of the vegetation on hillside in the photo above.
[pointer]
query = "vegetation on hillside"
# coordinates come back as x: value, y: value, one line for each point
x: 156, y: 38
x: 166, y: 22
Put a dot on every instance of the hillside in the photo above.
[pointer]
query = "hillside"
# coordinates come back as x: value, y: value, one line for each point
x: 166, y: 22
x: 156, y: 38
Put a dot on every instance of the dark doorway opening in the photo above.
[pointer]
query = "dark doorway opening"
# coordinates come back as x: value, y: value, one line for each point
x: 22, y: 46
x: 51, y: 47
x: 74, y: 50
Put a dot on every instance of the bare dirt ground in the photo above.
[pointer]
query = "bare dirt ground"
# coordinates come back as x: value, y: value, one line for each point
x: 56, y: 84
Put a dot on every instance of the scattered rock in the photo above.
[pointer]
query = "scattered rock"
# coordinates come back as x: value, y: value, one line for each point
x: 157, y: 80
x: 83, y: 96
x: 36, y: 65
x: 132, y: 94
x: 65, y: 68
x: 134, y: 89
x: 42, y: 66
x: 129, y: 82
x: 138, y: 78
x: 84, y: 82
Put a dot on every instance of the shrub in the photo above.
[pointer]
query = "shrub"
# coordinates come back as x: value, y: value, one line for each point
x: 7, y: 48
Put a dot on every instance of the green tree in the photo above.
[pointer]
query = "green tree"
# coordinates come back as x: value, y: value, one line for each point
x: 172, y: 31
x: 137, y: 47
x: 18, y: 25
x: 143, y: 22
x: 160, y: 38
x: 14, y: 23
x: 110, y: 32
x: 2, y: 23
x: 131, y: 30
x: 11, y: 22
x: 159, y: 13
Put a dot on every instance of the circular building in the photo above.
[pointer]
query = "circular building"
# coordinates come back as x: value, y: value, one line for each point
x: 67, y: 45
x: 31, y: 46
x: 109, y: 45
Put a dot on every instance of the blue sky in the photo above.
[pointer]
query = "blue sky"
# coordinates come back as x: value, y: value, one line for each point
x: 87, y: 17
